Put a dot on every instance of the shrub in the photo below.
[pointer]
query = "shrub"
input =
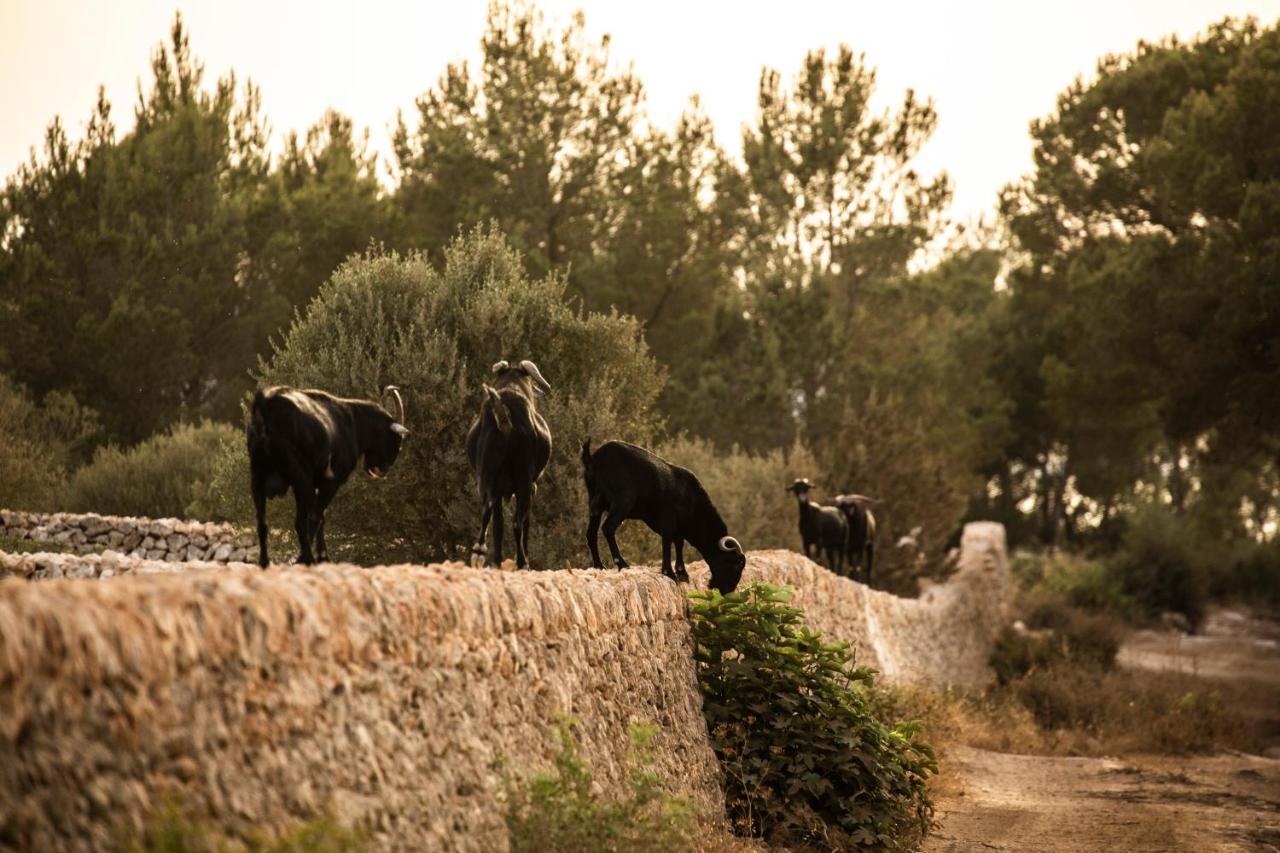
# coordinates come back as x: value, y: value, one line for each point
x: 39, y: 444
x: 385, y: 318
x: 1250, y: 573
x: 1075, y: 579
x: 173, y: 831
x: 1162, y: 565
x: 159, y: 478
x: 558, y: 810
x: 806, y: 761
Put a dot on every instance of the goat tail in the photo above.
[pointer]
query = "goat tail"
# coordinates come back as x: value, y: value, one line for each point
x: 586, y: 462
x: 256, y: 429
x: 501, y: 414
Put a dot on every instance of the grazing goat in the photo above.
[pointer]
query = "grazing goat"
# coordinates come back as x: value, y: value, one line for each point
x: 311, y: 441
x: 822, y: 528
x: 626, y: 481
x: 862, y: 532
x: 509, y: 444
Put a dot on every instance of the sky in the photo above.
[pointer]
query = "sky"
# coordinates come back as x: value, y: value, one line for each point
x: 990, y: 67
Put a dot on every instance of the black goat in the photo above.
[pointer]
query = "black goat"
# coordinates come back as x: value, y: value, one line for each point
x: 822, y: 528
x: 311, y: 441
x: 509, y: 444
x: 626, y: 481
x: 862, y: 532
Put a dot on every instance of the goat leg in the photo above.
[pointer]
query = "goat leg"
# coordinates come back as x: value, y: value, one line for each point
x: 304, y: 499
x: 324, y: 496
x: 520, y: 523
x: 682, y: 574
x: 477, y: 550
x: 496, y: 557
x: 593, y: 529
x: 611, y: 525
x: 260, y: 509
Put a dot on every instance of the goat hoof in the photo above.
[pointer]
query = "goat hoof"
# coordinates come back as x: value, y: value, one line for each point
x: 681, y: 575
x: 623, y: 564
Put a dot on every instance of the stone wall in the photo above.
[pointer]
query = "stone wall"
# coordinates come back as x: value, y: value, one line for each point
x: 168, y: 539
x: 388, y: 695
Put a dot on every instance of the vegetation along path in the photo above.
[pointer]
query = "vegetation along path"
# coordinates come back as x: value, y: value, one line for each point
x: 995, y: 801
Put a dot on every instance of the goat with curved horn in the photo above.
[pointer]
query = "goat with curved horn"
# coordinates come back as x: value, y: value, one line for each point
x: 509, y: 445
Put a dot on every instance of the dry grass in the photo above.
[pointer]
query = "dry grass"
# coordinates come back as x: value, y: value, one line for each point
x: 1069, y: 710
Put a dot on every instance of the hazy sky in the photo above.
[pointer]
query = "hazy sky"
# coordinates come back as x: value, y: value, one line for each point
x: 990, y: 66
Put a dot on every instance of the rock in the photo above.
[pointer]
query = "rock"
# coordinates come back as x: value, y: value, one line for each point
x: 131, y: 540
x: 161, y: 527
x: 222, y: 553
x: 176, y: 541
x: 155, y: 554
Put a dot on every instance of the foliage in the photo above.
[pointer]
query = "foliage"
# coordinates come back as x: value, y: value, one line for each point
x: 39, y: 444
x: 806, y: 761
x: 1250, y: 573
x: 1083, y: 582
x: 173, y: 831
x: 1162, y: 565
x: 160, y: 477
x: 383, y: 318
x: 1055, y: 633
x: 1140, y: 342
x: 143, y: 273
x: 560, y: 811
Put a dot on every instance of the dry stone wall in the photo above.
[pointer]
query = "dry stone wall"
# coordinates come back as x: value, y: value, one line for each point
x: 169, y: 539
x: 387, y: 695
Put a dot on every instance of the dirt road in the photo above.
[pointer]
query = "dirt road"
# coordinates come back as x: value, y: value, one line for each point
x: 1230, y: 802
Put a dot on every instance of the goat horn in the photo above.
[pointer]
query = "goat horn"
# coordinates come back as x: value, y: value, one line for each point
x: 499, y: 366
x: 728, y: 543
x: 532, y: 370
x: 395, y: 392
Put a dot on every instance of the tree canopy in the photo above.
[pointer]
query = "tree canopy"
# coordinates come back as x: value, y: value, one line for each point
x: 1114, y: 340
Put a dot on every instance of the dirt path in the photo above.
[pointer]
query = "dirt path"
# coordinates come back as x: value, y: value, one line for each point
x: 1231, y: 802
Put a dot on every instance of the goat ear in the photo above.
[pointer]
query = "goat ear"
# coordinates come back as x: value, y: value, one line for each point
x: 499, y: 366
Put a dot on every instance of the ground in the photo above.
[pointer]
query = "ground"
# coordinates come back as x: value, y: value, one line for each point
x: 993, y: 801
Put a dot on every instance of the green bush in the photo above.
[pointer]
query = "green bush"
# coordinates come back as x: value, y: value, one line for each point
x: 558, y: 810
x: 1162, y: 565
x: 383, y: 318
x: 158, y: 478
x: 1056, y: 634
x: 173, y: 831
x: 806, y: 761
x: 1250, y: 573
x: 39, y: 445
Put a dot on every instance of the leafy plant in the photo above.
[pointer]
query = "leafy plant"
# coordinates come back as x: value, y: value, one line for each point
x: 435, y: 331
x: 172, y: 830
x: 158, y: 478
x: 560, y: 811
x: 806, y: 760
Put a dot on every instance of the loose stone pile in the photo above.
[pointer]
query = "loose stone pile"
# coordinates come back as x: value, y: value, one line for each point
x: 168, y: 539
